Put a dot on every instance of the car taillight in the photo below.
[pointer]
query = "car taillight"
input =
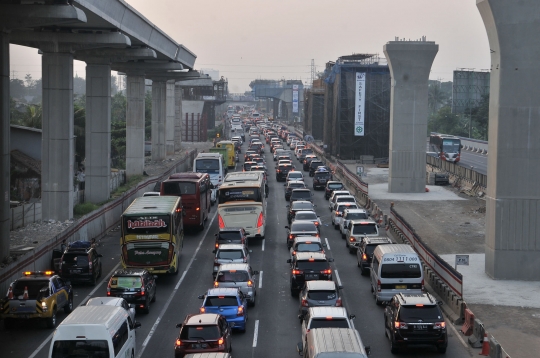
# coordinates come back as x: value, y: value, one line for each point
x: 142, y: 291
x: 260, y: 220
x: 378, y: 285
x: 439, y: 325
x: 216, y: 284
x: 178, y: 343
x: 221, y: 341
x: 291, y: 237
x: 297, y: 272
x: 338, y: 302
x: 351, y: 239
x: 221, y: 222
x: 202, y: 310
x: 400, y: 325
x: 90, y: 265
x: 250, y: 283
x: 326, y: 272
x: 316, y: 223
x: 305, y: 303
x: 423, y: 285
x: 240, y: 311
x: 338, y: 213
x: 109, y: 289
x: 364, y: 257
x: 294, y: 253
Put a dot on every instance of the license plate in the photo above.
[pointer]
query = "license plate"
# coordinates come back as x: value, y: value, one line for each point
x: 401, y: 287
x: 323, y: 180
x: 420, y: 327
x: 199, y: 345
x: 312, y: 277
x: 75, y: 271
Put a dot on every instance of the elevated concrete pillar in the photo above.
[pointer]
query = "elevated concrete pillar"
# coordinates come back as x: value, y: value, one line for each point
x: 57, y: 144
x: 410, y: 63
x: 135, y: 89
x: 4, y: 146
x: 177, y: 118
x: 98, y: 133
x: 513, y: 193
x: 159, y: 108
x: 170, y: 117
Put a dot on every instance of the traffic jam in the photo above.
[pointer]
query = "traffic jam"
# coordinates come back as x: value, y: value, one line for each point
x: 235, y: 183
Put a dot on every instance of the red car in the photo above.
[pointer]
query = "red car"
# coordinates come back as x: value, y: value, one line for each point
x: 203, y: 333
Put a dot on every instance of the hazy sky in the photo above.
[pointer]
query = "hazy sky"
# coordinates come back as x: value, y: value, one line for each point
x: 274, y: 39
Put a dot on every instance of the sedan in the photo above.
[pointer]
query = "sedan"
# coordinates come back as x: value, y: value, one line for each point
x: 300, y: 228
x: 309, y: 216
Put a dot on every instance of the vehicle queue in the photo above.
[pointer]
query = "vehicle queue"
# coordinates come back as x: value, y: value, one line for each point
x: 241, y: 198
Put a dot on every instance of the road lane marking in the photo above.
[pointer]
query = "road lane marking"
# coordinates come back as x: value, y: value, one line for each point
x: 80, y: 304
x: 337, y: 277
x: 457, y: 334
x: 327, y: 243
x: 255, y: 333
x: 169, y: 300
x: 263, y: 244
x: 260, y: 279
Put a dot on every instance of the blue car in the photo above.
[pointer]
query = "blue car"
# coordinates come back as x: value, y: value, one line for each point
x: 228, y: 302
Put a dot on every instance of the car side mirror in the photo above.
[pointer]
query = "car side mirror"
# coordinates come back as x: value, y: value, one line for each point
x: 99, y: 255
x: 200, y: 297
x: 286, y: 206
x: 179, y: 325
x: 288, y: 261
x: 340, y: 287
x: 255, y: 273
x: 213, y: 251
x: 440, y: 303
x: 352, y: 316
x: 324, y: 245
x: 137, y: 325
x: 300, y: 349
x: 330, y: 260
x: 132, y: 305
x: 155, y: 277
x: 301, y: 317
x: 368, y: 350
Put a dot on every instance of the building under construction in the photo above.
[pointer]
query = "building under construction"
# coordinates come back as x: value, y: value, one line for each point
x: 340, y: 105
x: 314, y: 109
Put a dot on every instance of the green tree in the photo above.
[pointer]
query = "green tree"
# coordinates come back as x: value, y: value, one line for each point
x: 480, y: 119
x: 444, y: 121
x: 118, y: 107
x: 436, y: 97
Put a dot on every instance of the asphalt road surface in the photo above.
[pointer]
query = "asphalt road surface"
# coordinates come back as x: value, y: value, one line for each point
x: 275, y: 313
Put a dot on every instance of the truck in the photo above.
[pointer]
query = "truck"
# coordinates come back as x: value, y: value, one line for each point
x: 223, y: 152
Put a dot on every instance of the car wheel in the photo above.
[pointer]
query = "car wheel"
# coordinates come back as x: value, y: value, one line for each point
x: 336, y: 227
x: 343, y: 236
x: 69, y: 305
x: 51, y: 321
x: 377, y: 301
x: 94, y: 280
x: 352, y: 249
x: 363, y: 271
x: 393, y: 346
x: 154, y: 298
x: 441, y: 349
x: 201, y: 226
x: 147, y: 307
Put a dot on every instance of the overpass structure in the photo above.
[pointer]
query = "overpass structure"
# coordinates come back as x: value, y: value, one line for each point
x: 286, y: 96
x: 107, y: 35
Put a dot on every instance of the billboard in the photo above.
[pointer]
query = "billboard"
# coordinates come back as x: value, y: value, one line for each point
x: 360, y: 104
x: 295, y: 98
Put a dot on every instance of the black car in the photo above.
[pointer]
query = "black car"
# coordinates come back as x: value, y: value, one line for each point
x: 364, y: 254
x: 231, y: 235
x: 313, y: 166
x: 282, y: 171
x: 305, y: 152
x: 300, y: 228
x: 81, y: 263
x: 293, y: 184
x: 412, y: 319
x: 307, y: 161
x: 320, y: 178
x: 331, y: 186
x: 136, y: 286
x: 298, y: 206
x: 307, y: 266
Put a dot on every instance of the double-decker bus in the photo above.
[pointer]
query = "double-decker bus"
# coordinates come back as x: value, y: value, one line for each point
x: 447, y: 147
x: 242, y: 203
x: 195, y: 190
x: 152, y: 234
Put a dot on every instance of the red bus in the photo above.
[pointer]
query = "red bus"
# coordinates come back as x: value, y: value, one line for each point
x: 195, y: 190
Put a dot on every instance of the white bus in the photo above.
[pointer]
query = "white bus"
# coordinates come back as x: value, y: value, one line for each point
x: 212, y: 164
x: 242, y: 203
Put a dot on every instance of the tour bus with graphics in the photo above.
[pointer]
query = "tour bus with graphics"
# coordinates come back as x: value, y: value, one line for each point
x: 152, y: 234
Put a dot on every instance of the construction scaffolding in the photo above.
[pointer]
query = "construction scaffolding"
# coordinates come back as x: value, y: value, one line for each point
x: 468, y: 90
x: 340, y: 107
x: 314, y: 110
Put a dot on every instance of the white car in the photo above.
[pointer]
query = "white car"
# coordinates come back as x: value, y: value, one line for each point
x: 343, y: 199
x: 351, y: 214
x: 335, y: 194
x: 113, y: 301
x: 337, y: 214
x: 297, y: 176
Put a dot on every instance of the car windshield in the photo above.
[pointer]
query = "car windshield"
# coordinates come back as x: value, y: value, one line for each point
x: 401, y: 271
x: 366, y: 229
x: 328, y: 323
x: 230, y: 254
x: 295, y: 175
x: 312, y: 265
x: 80, y: 348
x: 314, y: 164
x: 301, y: 194
x: 233, y: 235
x: 343, y: 198
x: 348, y: 206
x: 295, y: 227
x: 305, y: 247
x: 221, y: 301
x: 322, y: 295
x: 302, y: 206
x: 335, y: 186
x: 75, y: 260
x: 204, y: 333
x: 357, y: 216
x: 297, y: 185
x: 233, y: 276
x: 306, y: 216
x: 126, y: 282
x: 322, y: 175
x: 425, y: 313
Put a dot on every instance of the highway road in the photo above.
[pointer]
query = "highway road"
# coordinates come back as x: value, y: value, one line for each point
x: 475, y: 161
x: 273, y: 327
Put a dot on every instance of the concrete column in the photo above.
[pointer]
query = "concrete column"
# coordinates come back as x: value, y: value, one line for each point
x: 4, y: 146
x: 58, y: 152
x: 170, y: 117
x: 135, y: 124
x: 410, y: 63
x: 158, y: 120
x: 98, y: 133
x: 178, y: 118
x: 513, y: 193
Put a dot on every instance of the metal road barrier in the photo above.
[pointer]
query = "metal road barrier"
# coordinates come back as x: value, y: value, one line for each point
x: 462, y: 173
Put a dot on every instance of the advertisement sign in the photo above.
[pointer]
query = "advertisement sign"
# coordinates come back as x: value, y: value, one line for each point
x: 360, y: 104
x: 295, y: 99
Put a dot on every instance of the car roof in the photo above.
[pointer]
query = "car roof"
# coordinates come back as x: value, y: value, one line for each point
x: 336, y: 312
x: 377, y: 240
x: 346, y: 196
x: 307, y: 238
x: 318, y: 285
x: 305, y: 211
x: 105, y: 301
x: 356, y: 210
x: 238, y: 267
x: 202, y: 319
x: 409, y: 299
x: 302, y: 256
x: 363, y: 221
x: 301, y: 189
x: 231, y: 247
x: 296, y: 182
x: 295, y: 203
x: 223, y: 291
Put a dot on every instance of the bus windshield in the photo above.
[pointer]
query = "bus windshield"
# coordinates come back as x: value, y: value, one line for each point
x: 179, y: 188
x: 238, y: 193
x: 210, y: 166
x: 451, y: 145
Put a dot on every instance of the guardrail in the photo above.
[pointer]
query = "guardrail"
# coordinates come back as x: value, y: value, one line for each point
x: 460, y: 172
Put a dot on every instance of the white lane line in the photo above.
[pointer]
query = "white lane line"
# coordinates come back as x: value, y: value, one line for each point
x: 264, y: 240
x: 80, y: 304
x: 255, y: 333
x: 327, y: 243
x: 260, y: 279
x: 169, y: 300
x: 337, y: 277
x: 457, y: 334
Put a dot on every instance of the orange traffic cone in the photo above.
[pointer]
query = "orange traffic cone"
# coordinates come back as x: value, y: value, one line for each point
x: 25, y: 294
x: 10, y: 293
x: 485, y: 346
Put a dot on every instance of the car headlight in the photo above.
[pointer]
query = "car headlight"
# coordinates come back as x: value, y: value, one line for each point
x: 44, y: 306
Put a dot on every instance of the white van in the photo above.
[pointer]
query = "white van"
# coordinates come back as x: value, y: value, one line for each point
x: 95, y: 331
x: 394, y: 269
x: 212, y: 164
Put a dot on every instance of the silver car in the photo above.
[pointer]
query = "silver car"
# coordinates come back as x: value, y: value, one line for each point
x: 309, y: 216
x: 319, y: 293
x: 113, y: 301
x: 228, y: 254
x: 240, y: 276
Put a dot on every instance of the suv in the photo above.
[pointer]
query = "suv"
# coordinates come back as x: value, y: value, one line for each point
x: 231, y: 235
x: 325, y: 317
x: 300, y: 228
x: 203, y: 333
x: 81, y: 263
x: 307, y: 160
x: 301, y: 194
x: 240, y: 276
x: 293, y: 184
x: 357, y: 230
x: 307, y: 266
x: 364, y: 254
x: 313, y: 165
x: 136, y: 286
x: 318, y: 294
x: 282, y: 171
x: 331, y: 186
x: 228, y: 302
x: 305, y: 152
x: 307, y: 244
x: 320, y: 178
x: 230, y: 253
x: 351, y: 214
x: 412, y: 319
